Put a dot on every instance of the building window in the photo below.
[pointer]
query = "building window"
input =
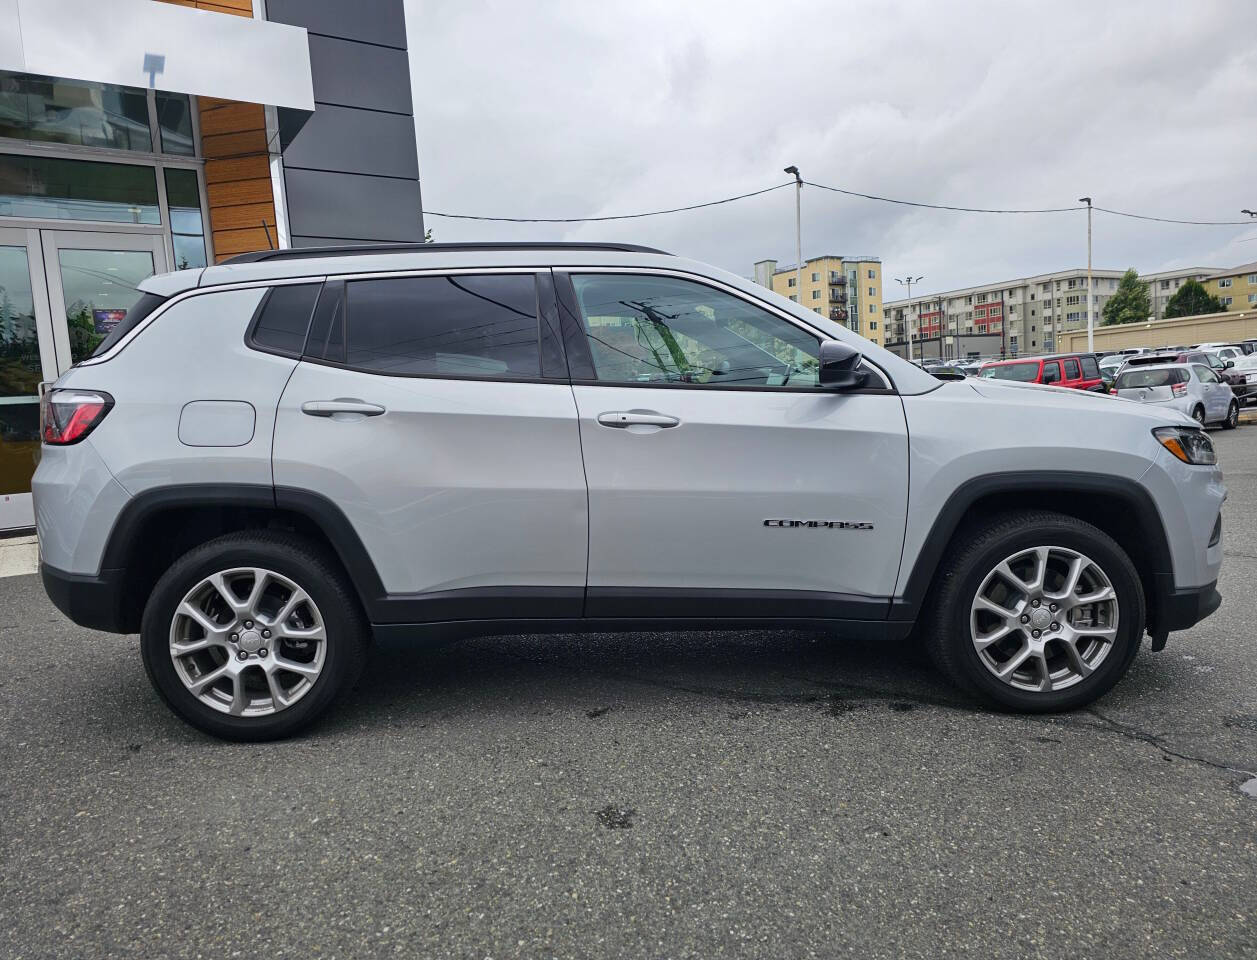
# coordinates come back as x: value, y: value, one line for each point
x: 872, y: 324
x: 872, y: 308
x: 53, y: 110
x: 815, y: 277
x: 58, y: 189
x: 1165, y: 284
x: 186, y: 226
x: 790, y: 281
x: 174, y: 123
x: 1225, y: 282
x: 1227, y: 301
x: 816, y: 294
x: 872, y: 274
x: 1252, y: 279
x: 794, y: 297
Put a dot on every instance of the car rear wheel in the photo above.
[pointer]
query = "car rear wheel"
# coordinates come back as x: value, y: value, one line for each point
x: 252, y: 635
x: 1232, y: 416
x: 1035, y: 612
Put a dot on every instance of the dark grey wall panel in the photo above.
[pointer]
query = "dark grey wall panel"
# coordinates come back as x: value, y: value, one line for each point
x: 352, y: 207
x: 370, y: 21
x: 356, y: 141
x: 360, y: 75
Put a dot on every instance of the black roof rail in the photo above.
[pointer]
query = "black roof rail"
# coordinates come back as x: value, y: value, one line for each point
x: 301, y: 253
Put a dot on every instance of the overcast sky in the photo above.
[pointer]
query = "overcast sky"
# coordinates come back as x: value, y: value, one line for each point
x: 570, y: 109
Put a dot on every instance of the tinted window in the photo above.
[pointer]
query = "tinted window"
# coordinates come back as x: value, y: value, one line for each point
x: 1024, y: 372
x: 1071, y: 369
x: 1090, y: 369
x: 1051, y: 372
x: 466, y: 326
x: 142, y: 307
x: 646, y: 329
x: 1205, y: 375
x: 1156, y: 377
x: 285, y: 318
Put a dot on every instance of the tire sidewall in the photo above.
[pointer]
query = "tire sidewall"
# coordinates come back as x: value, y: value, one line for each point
x: 304, y: 570
x: 1121, y: 573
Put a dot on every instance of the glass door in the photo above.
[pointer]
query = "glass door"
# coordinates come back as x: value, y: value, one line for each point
x: 26, y: 357
x: 93, y: 279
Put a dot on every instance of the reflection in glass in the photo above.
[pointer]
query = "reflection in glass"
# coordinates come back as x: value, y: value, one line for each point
x: 183, y: 196
x: 20, y: 373
x: 174, y: 120
x: 54, y: 110
x: 99, y: 286
x: 53, y: 188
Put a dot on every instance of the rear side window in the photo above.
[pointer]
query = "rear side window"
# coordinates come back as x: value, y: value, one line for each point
x: 284, y: 318
x: 1025, y: 372
x: 142, y: 307
x: 1071, y: 369
x: 1132, y: 379
x: 455, y: 326
x: 1090, y: 369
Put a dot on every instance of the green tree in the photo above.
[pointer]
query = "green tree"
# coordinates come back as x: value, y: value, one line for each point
x: 1192, y: 299
x: 1130, y: 304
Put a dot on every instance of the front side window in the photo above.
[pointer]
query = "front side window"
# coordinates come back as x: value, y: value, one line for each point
x: 1051, y: 372
x: 460, y: 325
x: 1205, y: 375
x: 648, y: 329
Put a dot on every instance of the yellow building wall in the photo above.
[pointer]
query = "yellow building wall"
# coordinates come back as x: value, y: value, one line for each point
x: 1181, y: 331
x: 814, y: 294
x: 1242, y: 286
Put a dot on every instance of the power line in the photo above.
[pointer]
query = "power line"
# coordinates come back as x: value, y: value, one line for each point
x: 938, y: 206
x: 622, y: 216
x: 844, y: 192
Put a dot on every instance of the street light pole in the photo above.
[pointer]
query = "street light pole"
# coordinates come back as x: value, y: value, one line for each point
x: 798, y: 232
x: 909, y: 280
x: 1091, y: 336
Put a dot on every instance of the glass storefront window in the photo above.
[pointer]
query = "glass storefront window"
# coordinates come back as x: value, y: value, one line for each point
x: 174, y: 121
x: 54, y: 110
x: 186, y: 226
x: 20, y: 373
x: 99, y: 287
x: 59, y: 189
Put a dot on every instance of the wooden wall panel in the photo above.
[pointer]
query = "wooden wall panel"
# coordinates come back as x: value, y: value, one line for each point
x: 237, y: 165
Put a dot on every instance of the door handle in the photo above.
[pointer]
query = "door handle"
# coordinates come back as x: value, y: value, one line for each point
x: 329, y: 408
x: 629, y: 418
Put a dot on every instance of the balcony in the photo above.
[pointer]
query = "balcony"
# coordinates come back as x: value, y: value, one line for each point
x: 837, y: 296
x: 838, y: 313
x: 838, y: 279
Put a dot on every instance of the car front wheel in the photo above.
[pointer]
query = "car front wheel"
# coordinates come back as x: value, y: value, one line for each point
x: 1232, y: 416
x: 252, y: 635
x: 1036, y: 612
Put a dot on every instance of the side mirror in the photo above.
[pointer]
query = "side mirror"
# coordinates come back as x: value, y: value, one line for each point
x: 1230, y: 364
x: 839, y: 364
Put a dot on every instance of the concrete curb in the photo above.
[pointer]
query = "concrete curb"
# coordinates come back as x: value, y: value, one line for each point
x: 18, y: 556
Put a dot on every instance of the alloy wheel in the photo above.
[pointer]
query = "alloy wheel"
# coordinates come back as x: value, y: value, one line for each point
x: 248, y: 642
x: 1044, y: 619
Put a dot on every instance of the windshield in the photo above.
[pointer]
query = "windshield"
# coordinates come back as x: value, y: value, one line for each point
x: 1025, y: 372
x: 1155, y: 377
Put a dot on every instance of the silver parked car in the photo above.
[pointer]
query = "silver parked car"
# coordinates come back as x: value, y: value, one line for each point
x: 273, y: 460
x: 1192, y: 388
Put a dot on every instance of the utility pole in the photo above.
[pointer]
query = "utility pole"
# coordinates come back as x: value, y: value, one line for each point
x: 798, y: 233
x: 1091, y: 335
x: 907, y: 321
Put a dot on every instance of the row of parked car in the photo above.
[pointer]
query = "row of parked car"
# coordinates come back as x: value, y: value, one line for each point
x: 1209, y: 382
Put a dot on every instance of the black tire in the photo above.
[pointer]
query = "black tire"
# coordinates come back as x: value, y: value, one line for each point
x: 976, y: 551
x: 1232, y: 416
x: 1199, y: 415
x: 297, y: 558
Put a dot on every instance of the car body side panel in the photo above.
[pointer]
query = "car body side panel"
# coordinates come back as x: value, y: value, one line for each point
x: 194, y: 351
x: 1038, y: 429
x: 76, y: 502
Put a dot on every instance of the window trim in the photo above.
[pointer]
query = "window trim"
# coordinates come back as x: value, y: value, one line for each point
x: 540, y: 287
x: 569, y: 312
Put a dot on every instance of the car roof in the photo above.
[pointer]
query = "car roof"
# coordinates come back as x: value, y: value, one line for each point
x: 1159, y: 366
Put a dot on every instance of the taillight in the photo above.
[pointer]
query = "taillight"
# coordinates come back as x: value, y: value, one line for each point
x: 1113, y: 391
x: 67, y: 416
x: 1178, y: 389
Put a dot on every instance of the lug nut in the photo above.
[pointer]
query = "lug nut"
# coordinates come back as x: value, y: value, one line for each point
x: 266, y: 634
x: 1036, y: 634
x: 1052, y: 607
x: 235, y: 638
x: 1033, y: 603
x: 1025, y: 618
x: 242, y: 655
x: 248, y: 624
x: 262, y: 652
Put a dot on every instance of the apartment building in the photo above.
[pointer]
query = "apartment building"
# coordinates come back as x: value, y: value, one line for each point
x: 1017, y: 317
x: 845, y: 289
x: 1236, y: 287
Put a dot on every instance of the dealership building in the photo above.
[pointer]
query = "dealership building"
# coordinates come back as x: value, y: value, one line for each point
x: 140, y: 136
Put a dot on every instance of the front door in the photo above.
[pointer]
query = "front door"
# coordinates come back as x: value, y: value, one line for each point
x: 723, y: 482
x: 60, y: 292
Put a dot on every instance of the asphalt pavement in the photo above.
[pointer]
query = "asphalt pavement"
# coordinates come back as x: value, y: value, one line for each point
x: 654, y: 795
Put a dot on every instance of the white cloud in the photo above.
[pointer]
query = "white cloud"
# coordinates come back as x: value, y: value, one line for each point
x: 595, y: 108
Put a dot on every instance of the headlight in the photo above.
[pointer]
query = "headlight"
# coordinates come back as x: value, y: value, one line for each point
x: 1188, y: 444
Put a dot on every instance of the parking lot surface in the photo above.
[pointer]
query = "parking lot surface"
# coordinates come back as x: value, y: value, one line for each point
x: 655, y: 795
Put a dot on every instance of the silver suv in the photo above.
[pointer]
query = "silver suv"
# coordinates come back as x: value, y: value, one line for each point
x: 272, y: 460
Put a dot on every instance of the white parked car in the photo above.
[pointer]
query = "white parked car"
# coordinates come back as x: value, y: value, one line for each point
x: 1191, y: 388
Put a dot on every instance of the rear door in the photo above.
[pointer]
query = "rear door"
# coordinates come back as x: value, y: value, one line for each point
x: 1071, y: 374
x: 1213, y: 390
x: 1051, y: 373
x: 1091, y: 379
x: 723, y: 482
x: 433, y: 411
